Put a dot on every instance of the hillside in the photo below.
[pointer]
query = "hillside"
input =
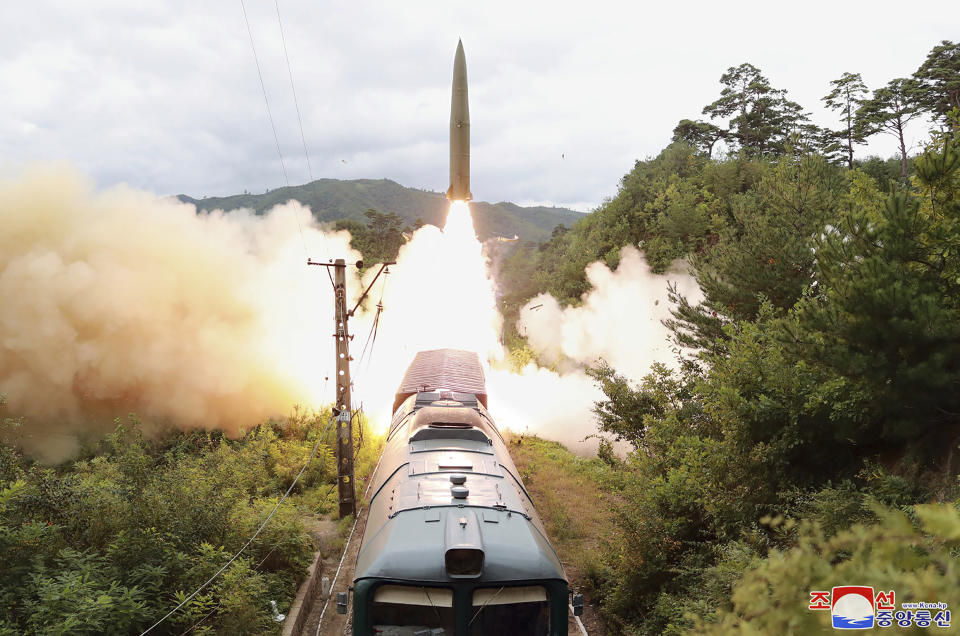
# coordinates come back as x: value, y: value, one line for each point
x: 809, y: 439
x: 335, y: 199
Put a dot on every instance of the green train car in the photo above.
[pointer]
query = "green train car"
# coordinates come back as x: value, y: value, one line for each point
x: 453, y: 545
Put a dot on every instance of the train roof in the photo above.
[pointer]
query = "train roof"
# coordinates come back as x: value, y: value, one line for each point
x: 443, y: 370
x: 447, y: 483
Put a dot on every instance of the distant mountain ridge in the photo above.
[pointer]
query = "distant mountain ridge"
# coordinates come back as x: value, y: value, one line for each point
x: 335, y: 199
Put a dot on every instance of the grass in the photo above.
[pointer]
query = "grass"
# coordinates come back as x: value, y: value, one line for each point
x: 576, y: 498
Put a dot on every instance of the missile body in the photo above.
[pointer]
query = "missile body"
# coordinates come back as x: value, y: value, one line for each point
x: 459, y: 131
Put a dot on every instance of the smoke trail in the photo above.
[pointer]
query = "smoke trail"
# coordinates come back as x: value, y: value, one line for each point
x: 119, y: 301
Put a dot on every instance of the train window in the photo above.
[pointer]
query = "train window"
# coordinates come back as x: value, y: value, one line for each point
x: 404, y: 610
x: 524, y: 611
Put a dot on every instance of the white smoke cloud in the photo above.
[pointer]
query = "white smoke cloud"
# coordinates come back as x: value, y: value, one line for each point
x: 545, y: 403
x: 439, y: 295
x: 619, y: 320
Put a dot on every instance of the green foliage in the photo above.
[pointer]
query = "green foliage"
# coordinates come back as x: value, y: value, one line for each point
x: 700, y: 134
x: 379, y: 240
x: 915, y: 559
x: 884, y: 317
x: 626, y: 411
x: 939, y: 80
x: 762, y: 119
x: 846, y: 97
x: 803, y: 410
x: 824, y: 390
x: 889, y: 110
x: 765, y: 247
x: 886, y: 173
x: 114, y: 541
x: 671, y: 204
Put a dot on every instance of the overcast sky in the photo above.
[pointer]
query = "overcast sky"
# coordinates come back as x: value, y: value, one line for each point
x: 564, y: 97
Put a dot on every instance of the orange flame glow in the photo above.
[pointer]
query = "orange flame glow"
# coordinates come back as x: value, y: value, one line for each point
x: 439, y: 295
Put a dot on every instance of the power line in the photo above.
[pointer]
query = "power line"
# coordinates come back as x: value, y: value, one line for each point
x: 293, y: 89
x: 266, y: 101
x: 251, y: 539
x: 263, y: 88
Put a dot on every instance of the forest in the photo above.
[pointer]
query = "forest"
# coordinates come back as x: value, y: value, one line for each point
x: 807, y: 439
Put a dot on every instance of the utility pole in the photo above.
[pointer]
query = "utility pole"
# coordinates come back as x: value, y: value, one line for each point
x: 345, y: 488
x: 342, y: 408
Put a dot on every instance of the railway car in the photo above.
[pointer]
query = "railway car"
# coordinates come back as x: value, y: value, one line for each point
x: 453, y: 545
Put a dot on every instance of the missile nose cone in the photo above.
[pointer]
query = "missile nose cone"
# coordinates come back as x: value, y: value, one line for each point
x: 459, y: 131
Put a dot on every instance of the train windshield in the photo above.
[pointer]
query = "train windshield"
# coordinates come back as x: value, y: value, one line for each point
x: 524, y: 611
x: 402, y: 610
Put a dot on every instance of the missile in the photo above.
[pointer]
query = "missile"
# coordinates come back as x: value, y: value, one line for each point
x: 459, y: 131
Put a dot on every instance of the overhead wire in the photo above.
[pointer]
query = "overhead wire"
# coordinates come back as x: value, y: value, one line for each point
x: 266, y: 101
x: 296, y: 104
x: 293, y: 89
x: 197, y: 624
x: 286, y: 178
x: 263, y: 88
x: 374, y: 328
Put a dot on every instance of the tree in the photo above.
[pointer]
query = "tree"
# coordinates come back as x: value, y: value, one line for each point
x: 764, y: 253
x: 884, y: 317
x: 938, y: 79
x: 894, y: 554
x: 889, y: 111
x: 380, y: 239
x: 847, y: 96
x: 701, y: 135
x: 763, y: 119
x: 386, y: 229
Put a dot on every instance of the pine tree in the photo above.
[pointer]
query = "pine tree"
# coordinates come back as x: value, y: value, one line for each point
x: 847, y: 97
x: 889, y: 110
x: 938, y: 79
x: 885, y: 317
x: 762, y: 118
x: 701, y: 135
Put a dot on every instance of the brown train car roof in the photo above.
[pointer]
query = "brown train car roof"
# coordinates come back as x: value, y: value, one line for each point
x: 443, y: 370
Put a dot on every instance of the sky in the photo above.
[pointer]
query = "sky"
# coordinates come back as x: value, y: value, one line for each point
x: 564, y: 97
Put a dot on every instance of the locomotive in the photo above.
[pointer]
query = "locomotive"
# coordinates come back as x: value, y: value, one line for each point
x: 453, y: 545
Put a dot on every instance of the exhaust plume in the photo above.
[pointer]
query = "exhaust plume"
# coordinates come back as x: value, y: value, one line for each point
x: 118, y: 301
x: 619, y: 320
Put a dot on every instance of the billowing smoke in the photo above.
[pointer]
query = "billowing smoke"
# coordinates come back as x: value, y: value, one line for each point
x: 619, y: 320
x: 118, y: 301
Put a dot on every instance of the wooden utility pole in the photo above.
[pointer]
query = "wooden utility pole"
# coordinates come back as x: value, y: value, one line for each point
x: 345, y: 488
x: 342, y: 408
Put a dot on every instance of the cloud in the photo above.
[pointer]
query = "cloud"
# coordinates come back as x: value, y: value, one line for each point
x: 165, y: 95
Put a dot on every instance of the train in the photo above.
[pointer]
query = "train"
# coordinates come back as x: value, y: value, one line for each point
x: 453, y: 545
